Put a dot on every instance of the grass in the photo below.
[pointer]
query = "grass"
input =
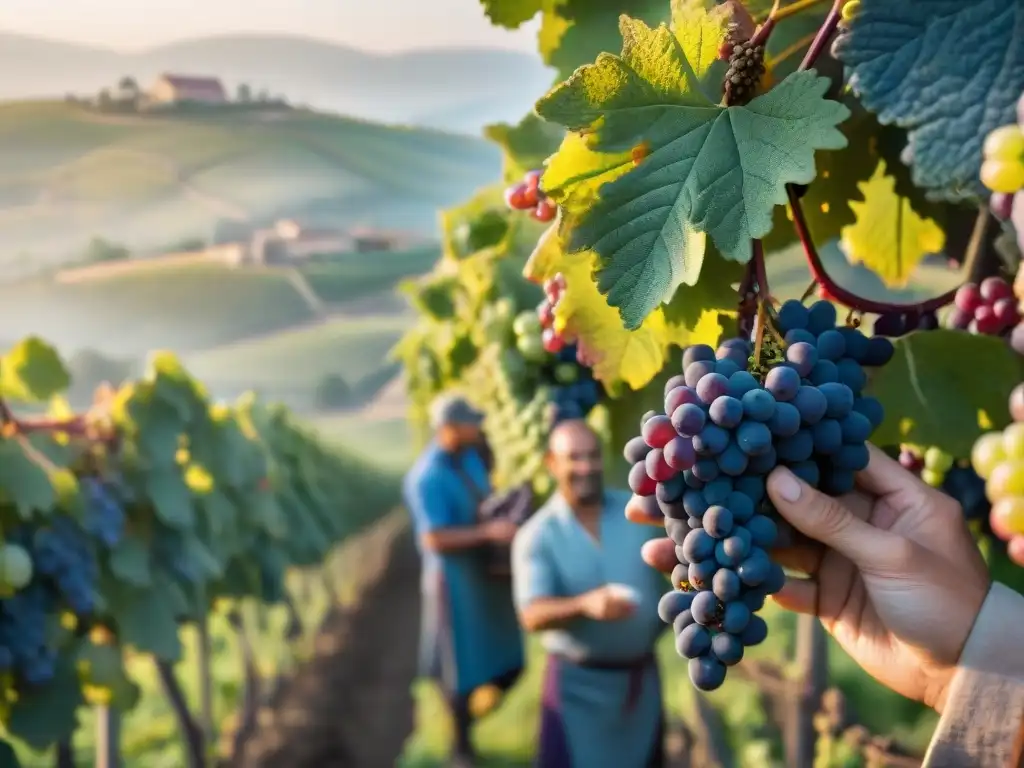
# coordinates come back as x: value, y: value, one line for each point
x: 289, y: 365
x: 69, y: 173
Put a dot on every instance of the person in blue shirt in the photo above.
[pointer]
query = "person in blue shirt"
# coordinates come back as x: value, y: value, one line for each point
x: 469, y: 635
x: 579, y: 580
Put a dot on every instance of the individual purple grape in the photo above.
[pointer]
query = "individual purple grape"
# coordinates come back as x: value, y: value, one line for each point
x: 688, y: 419
x: 658, y: 431
x: 679, y: 454
x: 726, y: 411
x: 635, y: 450
x: 711, y: 387
x: 783, y: 383
x: 803, y: 357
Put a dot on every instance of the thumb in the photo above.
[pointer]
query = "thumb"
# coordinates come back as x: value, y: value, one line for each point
x: 829, y: 521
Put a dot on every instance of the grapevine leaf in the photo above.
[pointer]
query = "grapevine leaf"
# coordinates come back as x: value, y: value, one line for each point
x: 715, y: 291
x: 938, y: 383
x: 888, y: 237
x: 146, y: 620
x: 44, y: 715
x: 904, y: 70
x: 630, y: 356
x: 24, y: 480
x: 705, y: 167
x: 171, y: 498
x: 511, y: 14
x: 32, y: 372
x: 8, y: 757
x: 526, y: 145
x: 574, y: 32
x: 129, y: 562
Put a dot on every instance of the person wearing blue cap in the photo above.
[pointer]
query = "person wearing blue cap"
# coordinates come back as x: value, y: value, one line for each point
x: 469, y: 636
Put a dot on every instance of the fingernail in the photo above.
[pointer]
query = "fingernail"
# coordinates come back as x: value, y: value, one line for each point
x: 786, y: 485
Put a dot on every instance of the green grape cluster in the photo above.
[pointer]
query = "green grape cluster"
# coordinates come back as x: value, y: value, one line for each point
x: 518, y: 416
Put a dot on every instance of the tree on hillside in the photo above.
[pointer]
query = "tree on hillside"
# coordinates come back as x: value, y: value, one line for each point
x: 128, y: 88
x: 100, y: 250
x: 243, y: 95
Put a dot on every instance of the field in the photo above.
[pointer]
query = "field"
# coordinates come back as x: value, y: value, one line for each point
x: 68, y: 173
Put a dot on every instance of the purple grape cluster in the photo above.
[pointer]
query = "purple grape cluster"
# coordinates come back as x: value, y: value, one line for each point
x: 703, y: 464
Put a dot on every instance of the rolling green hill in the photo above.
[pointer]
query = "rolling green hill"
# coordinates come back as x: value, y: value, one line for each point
x: 68, y: 173
x: 198, y: 306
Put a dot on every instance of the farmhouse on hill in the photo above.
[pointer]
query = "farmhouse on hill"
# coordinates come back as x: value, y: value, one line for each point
x: 177, y: 89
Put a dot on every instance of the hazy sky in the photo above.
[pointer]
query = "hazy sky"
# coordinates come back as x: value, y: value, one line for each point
x: 379, y: 25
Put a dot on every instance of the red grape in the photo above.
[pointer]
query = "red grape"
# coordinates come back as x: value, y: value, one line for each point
x: 640, y: 482
x: 553, y: 341
x: 658, y: 431
x: 993, y: 289
x: 559, y: 280
x: 678, y: 396
x: 985, y: 321
x: 1006, y: 312
x: 679, y: 453
x: 968, y: 298
x: 657, y: 468
x: 546, y: 314
x: 516, y: 198
x: 545, y: 210
x: 1016, y: 403
x: 1001, y: 205
x: 532, y: 180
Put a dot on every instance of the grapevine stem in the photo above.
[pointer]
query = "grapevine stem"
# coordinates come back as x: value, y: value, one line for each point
x: 825, y: 32
x: 841, y: 295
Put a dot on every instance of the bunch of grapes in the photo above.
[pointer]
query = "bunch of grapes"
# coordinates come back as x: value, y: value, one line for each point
x: 63, y: 554
x: 24, y: 623
x: 104, y: 516
x: 1003, y: 172
x: 896, y: 324
x: 932, y: 464
x: 729, y: 420
x: 746, y: 68
x: 574, y: 390
x: 954, y: 478
x: 528, y: 196
x: 553, y: 336
x: 989, y: 309
x: 998, y: 458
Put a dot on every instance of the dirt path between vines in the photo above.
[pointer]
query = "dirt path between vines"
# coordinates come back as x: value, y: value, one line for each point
x: 350, y: 706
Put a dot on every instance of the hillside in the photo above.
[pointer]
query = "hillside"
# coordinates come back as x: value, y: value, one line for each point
x: 68, y: 173
x: 397, y: 88
x: 199, y: 306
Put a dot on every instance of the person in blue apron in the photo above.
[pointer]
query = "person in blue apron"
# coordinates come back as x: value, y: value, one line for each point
x: 469, y: 633
x: 579, y: 580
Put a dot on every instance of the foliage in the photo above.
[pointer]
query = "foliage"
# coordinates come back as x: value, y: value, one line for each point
x: 219, y: 501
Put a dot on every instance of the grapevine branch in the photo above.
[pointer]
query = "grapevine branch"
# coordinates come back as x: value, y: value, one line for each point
x: 829, y: 288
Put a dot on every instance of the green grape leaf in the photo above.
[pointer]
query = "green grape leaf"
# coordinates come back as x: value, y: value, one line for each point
x: 8, y: 757
x: 24, y: 479
x: 129, y: 562
x: 907, y: 67
x: 511, y: 14
x: 171, y: 497
x: 708, y: 169
x: 527, y: 145
x: 147, y: 620
x: 32, y: 372
x: 44, y: 715
x: 941, y: 386
x: 714, y: 292
x: 574, y: 32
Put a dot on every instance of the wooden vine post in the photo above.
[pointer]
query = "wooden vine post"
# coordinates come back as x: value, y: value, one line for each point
x: 108, y: 737
x: 805, y: 695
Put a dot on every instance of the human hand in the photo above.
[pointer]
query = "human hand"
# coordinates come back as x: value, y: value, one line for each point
x: 500, y: 531
x: 893, y: 573
x: 606, y: 604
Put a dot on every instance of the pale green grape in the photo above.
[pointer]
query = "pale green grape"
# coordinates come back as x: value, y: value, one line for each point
x: 1009, y: 512
x: 987, y: 454
x: 1007, y: 479
x: 933, y: 477
x: 15, y: 566
x: 938, y: 460
x: 1013, y: 441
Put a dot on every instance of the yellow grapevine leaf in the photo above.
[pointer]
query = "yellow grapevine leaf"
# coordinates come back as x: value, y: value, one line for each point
x: 888, y: 237
x: 618, y: 355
